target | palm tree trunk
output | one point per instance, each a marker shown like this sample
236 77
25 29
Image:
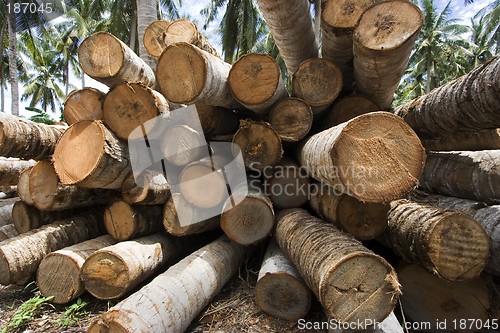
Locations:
147 13
317 20
13 62
133 28
2 92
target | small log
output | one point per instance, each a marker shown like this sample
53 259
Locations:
8 191
183 30
10 170
448 243
23 187
259 143
108 60
351 282
101 160
347 108
290 23
151 188
468 103
59 272
154 38
207 269
382 42
6 213
217 120
83 104
482 140
21 255
280 290
188 75
7 231
124 221
182 144
353 157
129 105
463 174
255 81
318 82
291 118
26 139
338 20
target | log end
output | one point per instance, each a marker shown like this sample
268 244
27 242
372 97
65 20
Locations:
291 118
154 37
344 14
43 185
83 104
119 221
5 274
95 52
119 321
347 108
181 30
198 176
25 217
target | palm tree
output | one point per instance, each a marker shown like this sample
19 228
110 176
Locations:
3 30
13 57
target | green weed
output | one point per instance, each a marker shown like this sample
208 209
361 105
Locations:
25 313
73 313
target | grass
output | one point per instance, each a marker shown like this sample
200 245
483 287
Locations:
73 313
25 313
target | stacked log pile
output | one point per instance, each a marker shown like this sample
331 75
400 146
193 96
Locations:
327 168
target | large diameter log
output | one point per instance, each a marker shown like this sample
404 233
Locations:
338 20
207 269
255 81
183 30
482 140
464 174
430 299
318 82
291 25
11 169
188 75
89 155
23 187
21 255
217 120
351 282
108 60
280 290
26 139
83 104
150 188
468 103
291 118
7 231
347 108
448 243
361 159
58 275
130 105
382 42
154 38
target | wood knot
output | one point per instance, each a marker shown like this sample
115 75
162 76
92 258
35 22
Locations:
385 23
348 8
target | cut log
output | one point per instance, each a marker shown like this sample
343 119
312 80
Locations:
83 104
347 108
89 155
123 221
259 143
154 38
291 118
382 42
354 157
49 194
467 206
6 213
489 218
217 120
482 140
290 23
362 220
10 169
338 20
151 188
26 139
183 30
130 105
7 231
188 75
59 272
108 60
207 269
351 282
468 103
26 217
318 82
464 174
448 243
178 209
182 144
23 187
430 299
255 81
280 290
21 255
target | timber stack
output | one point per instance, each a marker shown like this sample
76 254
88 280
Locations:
333 177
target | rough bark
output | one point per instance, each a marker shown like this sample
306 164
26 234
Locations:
21 255
83 104
154 38
280 290
375 157
151 188
10 169
26 139
147 12
382 42
351 282
102 160
291 25
183 30
7 231
467 103
13 57
108 60
448 243
255 81
188 75
207 269
291 118
23 187
6 208
347 108
59 272
216 120
482 140
464 174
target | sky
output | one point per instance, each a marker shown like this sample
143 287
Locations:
192 8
